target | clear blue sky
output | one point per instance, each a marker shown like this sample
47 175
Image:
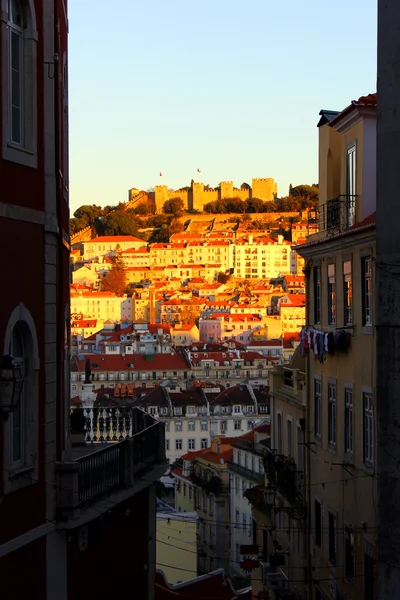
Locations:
231 87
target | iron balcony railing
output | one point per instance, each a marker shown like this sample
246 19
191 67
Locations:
247 473
121 444
337 215
281 472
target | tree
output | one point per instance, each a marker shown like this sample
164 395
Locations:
254 205
120 223
115 280
189 314
222 277
245 186
175 206
176 226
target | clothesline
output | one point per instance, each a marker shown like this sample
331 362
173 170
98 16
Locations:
322 343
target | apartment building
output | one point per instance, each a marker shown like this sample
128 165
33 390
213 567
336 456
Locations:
339 342
245 471
101 305
193 417
222 327
262 257
109 244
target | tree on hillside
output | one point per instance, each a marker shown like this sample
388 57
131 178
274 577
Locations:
189 314
115 280
255 205
175 206
120 223
245 186
176 226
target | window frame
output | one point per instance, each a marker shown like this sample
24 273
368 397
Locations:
318 405
332 544
332 413
15 472
368 457
348 420
318 523
331 291
366 294
317 295
25 152
347 293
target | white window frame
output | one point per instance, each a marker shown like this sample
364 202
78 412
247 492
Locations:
332 413
191 426
191 444
25 152
24 472
348 420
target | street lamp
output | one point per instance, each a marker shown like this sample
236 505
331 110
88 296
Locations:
11 384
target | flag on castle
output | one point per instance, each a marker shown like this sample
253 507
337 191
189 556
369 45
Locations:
198 170
160 174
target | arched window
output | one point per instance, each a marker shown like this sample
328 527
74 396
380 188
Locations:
19 81
21 429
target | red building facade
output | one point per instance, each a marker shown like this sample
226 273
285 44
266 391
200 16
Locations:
34 226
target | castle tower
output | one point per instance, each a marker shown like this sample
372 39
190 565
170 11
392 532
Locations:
264 189
160 197
196 200
226 189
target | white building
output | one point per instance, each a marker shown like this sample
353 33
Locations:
245 471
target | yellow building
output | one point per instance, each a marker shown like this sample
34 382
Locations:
107 244
339 340
205 472
101 305
176 548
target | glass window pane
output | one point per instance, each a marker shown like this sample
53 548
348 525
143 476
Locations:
17 434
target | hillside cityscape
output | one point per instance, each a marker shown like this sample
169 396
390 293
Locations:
199 386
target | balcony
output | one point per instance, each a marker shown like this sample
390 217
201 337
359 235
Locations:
281 472
336 216
212 485
247 473
121 446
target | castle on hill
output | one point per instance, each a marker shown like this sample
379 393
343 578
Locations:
197 195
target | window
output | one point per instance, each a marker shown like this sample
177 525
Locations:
351 187
348 421
19 78
317 295
239 457
21 429
204 443
238 425
178 426
203 426
348 553
178 444
318 523
223 426
250 425
244 521
279 433
153 410
237 486
300 449
237 409
347 294
167 445
317 408
366 275
332 414
237 517
243 487
332 538
191 426
184 490
331 295
368 439
191 410
191 444
289 437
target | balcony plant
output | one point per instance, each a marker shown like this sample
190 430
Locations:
78 427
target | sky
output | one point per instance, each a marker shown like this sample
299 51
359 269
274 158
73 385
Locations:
230 87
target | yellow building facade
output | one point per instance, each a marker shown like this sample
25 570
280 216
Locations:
339 344
176 547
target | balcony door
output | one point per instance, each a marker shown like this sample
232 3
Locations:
351 186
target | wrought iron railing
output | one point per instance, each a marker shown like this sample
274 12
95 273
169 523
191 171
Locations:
211 484
121 444
247 473
281 471
337 215
101 472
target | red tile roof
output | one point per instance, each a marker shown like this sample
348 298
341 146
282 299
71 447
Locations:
369 101
117 362
115 238
84 324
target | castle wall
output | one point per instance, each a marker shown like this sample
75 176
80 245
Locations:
182 194
160 197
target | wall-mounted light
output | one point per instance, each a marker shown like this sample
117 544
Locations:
11 384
